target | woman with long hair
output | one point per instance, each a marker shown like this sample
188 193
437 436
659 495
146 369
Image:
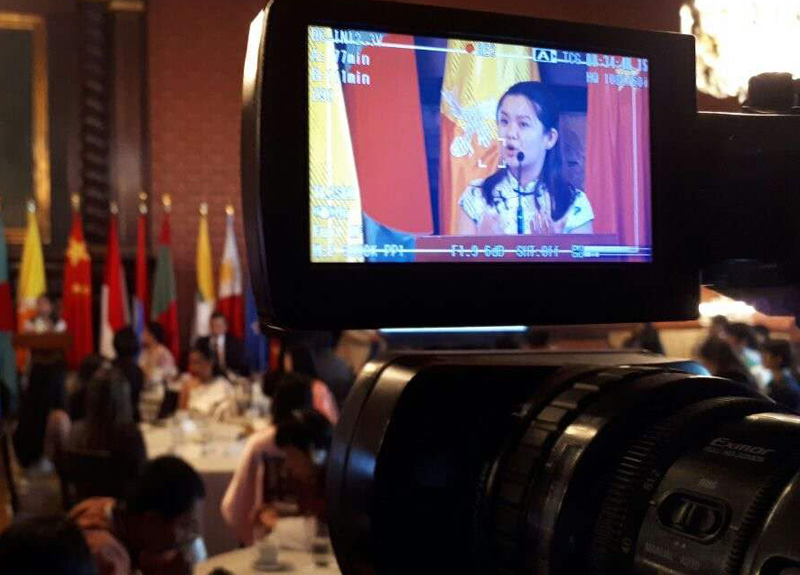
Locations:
108 425
529 194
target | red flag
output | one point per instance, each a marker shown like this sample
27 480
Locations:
77 300
165 294
114 314
394 193
618 154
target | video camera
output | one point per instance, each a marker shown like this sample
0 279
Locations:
406 165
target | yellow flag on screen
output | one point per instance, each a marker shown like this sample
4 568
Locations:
476 75
337 230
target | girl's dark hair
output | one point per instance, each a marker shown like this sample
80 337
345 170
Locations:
108 405
292 392
157 330
743 332
782 350
552 179
305 430
126 344
203 347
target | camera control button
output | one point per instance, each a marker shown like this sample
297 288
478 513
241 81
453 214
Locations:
693 516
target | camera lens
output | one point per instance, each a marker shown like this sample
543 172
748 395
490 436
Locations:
552 463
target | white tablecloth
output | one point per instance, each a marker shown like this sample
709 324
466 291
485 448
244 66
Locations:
240 562
215 461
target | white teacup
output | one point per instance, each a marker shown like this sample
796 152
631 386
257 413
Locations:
267 551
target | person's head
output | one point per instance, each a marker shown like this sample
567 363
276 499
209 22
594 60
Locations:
126 344
108 402
777 355
218 324
649 339
305 438
201 363
152 334
163 506
88 366
291 392
52 545
718 357
528 122
44 307
719 326
741 336
762 334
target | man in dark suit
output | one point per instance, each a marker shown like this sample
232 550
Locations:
227 350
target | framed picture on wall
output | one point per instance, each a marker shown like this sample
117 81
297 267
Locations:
24 118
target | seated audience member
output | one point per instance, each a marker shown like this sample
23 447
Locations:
204 390
159 368
313 353
155 530
43 421
718 357
645 338
743 339
762 335
126 344
109 426
779 360
358 346
46 545
227 350
305 439
245 497
46 320
76 388
155 358
719 327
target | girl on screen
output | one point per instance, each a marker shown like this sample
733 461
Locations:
529 194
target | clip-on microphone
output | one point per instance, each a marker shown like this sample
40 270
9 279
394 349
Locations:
520 215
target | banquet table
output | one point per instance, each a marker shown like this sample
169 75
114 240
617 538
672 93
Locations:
214 452
241 562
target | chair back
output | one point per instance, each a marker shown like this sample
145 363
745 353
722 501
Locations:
276 490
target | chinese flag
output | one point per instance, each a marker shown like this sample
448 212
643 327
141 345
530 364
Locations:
77 300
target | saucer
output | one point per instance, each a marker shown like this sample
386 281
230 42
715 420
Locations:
278 567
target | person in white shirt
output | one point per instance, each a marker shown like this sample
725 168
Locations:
203 389
529 193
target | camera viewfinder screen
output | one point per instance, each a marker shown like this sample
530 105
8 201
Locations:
444 150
